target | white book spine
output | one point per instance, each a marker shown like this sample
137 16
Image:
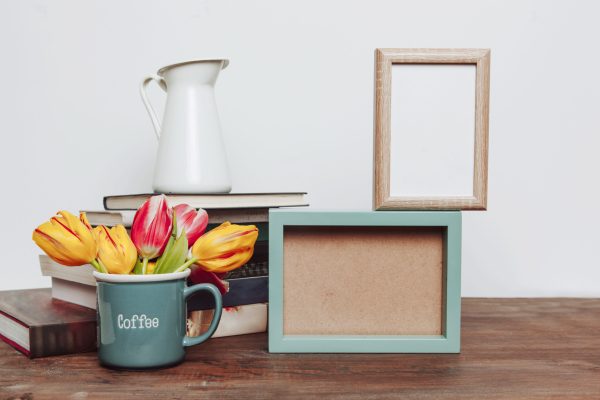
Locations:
83 275
73 292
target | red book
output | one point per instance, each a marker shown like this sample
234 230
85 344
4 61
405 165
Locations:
38 326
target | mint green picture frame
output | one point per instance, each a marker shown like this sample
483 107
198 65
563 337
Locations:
448 342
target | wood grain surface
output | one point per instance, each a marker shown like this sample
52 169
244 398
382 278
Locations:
384 59
512 349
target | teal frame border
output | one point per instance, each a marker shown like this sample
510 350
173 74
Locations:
449 342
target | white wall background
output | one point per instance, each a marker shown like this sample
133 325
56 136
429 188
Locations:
297 108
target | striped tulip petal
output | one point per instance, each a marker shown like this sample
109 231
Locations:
193 222
225 247
152 226
116 251
66 239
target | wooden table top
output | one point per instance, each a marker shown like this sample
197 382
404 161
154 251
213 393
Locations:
511 349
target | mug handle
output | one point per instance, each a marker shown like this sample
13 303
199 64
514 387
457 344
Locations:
151 112
187 292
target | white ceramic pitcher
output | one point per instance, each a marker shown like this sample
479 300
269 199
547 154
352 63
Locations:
191 154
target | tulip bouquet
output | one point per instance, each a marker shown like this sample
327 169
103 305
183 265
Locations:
163 240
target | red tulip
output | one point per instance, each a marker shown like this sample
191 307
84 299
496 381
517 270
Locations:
198 275
194 222
151 227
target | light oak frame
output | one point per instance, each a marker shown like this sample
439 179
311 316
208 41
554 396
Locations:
384 59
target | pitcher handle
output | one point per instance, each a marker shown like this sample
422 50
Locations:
151 112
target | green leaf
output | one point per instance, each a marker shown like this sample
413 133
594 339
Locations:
138 267
174 227
174 255
159 262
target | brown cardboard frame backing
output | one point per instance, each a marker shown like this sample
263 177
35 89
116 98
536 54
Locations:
363 280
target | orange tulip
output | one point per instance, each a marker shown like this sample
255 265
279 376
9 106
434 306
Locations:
116 251
67 239
225 247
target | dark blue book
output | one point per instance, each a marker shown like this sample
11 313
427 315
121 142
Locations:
242 291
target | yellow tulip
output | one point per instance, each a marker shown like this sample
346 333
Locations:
66 239
225 247
84 220
150 267
116 251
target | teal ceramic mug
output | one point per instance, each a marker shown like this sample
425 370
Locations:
142 319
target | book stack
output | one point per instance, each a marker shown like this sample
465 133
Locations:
37 325
74 288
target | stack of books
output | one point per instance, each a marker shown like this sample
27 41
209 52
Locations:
73 292
37 325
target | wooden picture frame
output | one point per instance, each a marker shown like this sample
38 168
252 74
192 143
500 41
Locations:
384 60
406 266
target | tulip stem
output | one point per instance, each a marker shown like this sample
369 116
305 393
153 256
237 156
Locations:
99 267
186 264
144 265
103 267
